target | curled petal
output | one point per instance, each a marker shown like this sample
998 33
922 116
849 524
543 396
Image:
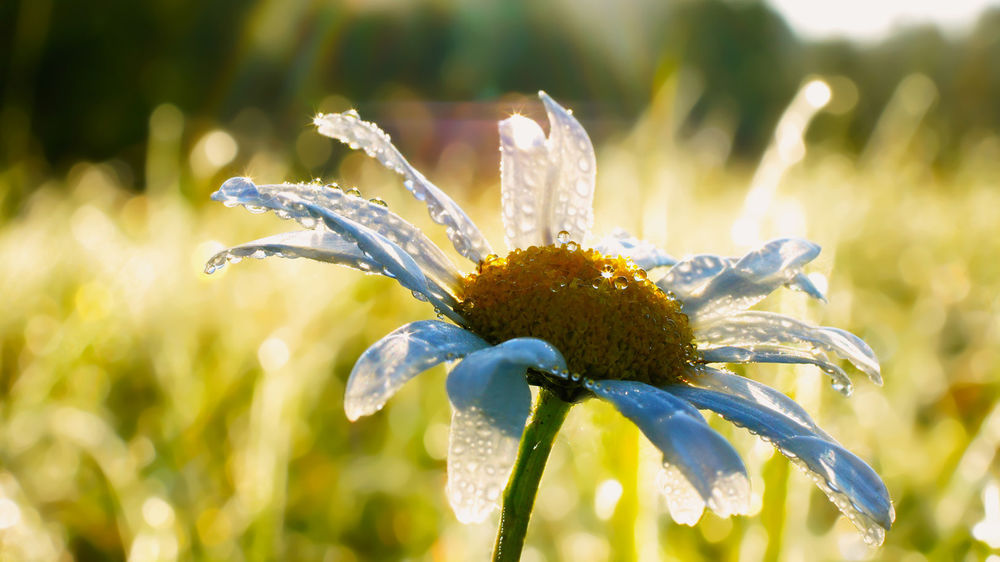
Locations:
850 483
721 286
754 328
462 232
490 402
289 202
319 245
643 254
547 184
705 459
398 357
780 354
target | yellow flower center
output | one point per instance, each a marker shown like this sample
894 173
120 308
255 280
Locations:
606 318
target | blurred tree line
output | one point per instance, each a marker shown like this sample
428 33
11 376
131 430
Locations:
80 80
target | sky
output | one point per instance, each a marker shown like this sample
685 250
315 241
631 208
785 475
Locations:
874 19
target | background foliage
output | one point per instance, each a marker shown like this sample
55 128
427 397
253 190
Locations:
148 411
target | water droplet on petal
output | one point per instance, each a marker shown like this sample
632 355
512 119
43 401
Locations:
354 192
562 237
572 246
378 201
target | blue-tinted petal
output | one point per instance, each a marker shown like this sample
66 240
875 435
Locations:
741 284
490 402
462 232
284 200
398 357
705 458
755 328
643 254
320 245
850 483
780 354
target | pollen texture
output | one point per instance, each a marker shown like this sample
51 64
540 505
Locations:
606 318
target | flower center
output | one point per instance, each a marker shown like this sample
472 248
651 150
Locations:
606 318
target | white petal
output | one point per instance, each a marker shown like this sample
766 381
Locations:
688 278
480 458
398 357
572 155
850 483
547 184
462 232
780 354
707 461
643 254
491 401
752 328
524 171
733 287
281 198
683 501
320 245
292 203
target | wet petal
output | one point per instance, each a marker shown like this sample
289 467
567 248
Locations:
643 254
524 167
490 402
462 232
433 262
690 275
780 354
398 357
547 184
683 501
850 483
734 286
753 328
320 245
716 379
575 169
707 461
309 207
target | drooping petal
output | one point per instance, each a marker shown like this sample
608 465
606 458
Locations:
320 245
289 202
547 184
398 357
725 287
850 483
683 500
704 376
753 328
706 460
490 402
643 254
780 354
433 262
462 232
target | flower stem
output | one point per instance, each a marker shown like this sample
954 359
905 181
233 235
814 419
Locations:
519 496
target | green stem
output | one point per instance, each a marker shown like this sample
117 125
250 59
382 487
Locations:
519 496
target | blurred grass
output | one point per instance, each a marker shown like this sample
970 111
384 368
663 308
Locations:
152 412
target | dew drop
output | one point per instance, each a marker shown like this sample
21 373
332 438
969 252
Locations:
259 254
621 282
596 283
418 295
562 237
354 192
334 185
639 276
378 201
572 246
607 270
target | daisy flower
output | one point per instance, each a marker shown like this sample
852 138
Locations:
619 320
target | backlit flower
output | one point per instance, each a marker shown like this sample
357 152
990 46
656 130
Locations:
580 321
